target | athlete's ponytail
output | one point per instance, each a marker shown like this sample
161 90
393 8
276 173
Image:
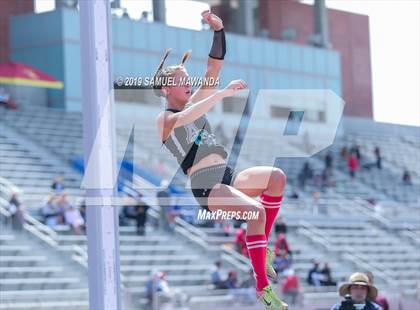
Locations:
158 74
185 57
162 73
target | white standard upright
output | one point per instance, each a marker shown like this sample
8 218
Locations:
100 163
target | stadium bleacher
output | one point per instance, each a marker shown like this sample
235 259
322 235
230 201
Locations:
350 235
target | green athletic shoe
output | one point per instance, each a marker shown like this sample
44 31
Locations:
270 300
269 259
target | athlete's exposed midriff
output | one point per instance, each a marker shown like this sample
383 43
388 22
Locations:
209 160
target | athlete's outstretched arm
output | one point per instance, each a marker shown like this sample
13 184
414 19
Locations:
167 121
216 56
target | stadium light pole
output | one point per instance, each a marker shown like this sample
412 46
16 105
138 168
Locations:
99 155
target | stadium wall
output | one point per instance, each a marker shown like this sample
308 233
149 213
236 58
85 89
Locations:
50 41
349 35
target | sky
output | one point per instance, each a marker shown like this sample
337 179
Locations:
395 47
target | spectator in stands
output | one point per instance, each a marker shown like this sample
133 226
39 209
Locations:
74 219
328 160
280 226
380 299
282 261
344 153
361 294
82 210
6 100
240 240
291 286
158 285
353 165
378 157
406 179
163 197
137 211
57 186
305 174
17 212
356 150
295 194
281 244
51 213
314 275
217 276
327 279
231 281
63 204
144 16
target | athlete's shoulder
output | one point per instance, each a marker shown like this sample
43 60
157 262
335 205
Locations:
165 122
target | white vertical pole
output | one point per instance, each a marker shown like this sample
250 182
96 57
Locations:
99 155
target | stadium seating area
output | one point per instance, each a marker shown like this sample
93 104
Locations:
32 168
35 277
46 268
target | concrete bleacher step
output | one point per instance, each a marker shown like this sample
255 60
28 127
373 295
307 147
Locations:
169 269
21 261
174 280
32 275
34 283
154 259
44 295
13 250
136 249
31 167
41 305
124 239
24 272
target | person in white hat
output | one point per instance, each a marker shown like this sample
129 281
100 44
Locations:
359 294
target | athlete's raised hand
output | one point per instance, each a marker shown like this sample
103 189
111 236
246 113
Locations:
212 19
235 86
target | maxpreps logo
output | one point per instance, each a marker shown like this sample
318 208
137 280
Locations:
204 215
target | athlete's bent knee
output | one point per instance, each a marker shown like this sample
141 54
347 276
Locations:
278 177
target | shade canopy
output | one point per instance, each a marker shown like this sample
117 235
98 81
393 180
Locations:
15 73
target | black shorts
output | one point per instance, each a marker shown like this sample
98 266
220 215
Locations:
203 180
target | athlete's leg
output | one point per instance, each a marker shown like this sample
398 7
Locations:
257 180
266 182
256 239
227 198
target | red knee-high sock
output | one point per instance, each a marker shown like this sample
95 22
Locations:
272 206
257 245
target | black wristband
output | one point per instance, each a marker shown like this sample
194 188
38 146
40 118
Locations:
218 48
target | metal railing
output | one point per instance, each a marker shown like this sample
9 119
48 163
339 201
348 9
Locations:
192 233
236 259
315 234
30 224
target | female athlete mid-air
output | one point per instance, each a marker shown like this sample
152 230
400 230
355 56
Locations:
184 130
